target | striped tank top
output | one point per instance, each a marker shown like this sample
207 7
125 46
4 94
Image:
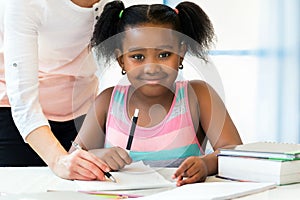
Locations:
166 144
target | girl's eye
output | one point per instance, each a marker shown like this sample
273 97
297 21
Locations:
164 55
138 57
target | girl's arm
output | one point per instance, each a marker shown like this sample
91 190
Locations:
214 117
91 136
219 129
92 131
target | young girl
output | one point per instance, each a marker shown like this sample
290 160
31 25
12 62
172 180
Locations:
175 117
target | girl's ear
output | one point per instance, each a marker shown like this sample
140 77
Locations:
182 49
119 56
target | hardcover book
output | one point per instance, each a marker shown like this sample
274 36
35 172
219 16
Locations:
254 169
270 150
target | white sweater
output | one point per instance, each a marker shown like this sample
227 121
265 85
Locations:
49 71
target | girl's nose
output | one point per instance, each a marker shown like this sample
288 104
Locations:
152 68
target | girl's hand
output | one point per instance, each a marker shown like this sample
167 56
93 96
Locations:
80 165
115 157
192 170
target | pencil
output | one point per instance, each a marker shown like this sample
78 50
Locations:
107 174
132 129
104 194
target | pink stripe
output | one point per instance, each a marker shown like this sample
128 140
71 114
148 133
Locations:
175 139
118 124
158 130
116 138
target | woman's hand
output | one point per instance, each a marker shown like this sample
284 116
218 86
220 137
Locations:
193 169
80 165
115 157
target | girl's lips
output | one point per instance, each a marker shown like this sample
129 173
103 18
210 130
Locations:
152 80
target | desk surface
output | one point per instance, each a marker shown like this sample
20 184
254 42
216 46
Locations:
16 180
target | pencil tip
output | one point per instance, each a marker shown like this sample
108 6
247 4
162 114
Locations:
113 179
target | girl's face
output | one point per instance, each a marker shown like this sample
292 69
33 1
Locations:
151 56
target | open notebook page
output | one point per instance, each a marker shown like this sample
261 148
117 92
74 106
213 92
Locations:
133 176
211 190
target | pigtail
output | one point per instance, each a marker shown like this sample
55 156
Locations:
105 28
197 25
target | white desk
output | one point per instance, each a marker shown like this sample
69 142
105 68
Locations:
16 180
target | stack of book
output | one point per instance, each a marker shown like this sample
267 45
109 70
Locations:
261 162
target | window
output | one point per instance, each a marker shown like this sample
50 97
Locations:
257 56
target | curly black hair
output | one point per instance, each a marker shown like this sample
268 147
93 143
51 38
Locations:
188 19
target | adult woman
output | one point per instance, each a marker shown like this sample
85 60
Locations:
49 82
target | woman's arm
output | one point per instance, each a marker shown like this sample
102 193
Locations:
78 165
21 25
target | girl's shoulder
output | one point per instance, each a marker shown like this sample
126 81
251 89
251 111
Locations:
203 90
199 86
105 94
103 99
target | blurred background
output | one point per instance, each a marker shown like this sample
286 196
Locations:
257 56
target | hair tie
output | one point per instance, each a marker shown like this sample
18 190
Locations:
121 13
176 11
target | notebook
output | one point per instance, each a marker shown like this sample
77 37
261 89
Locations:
65 195
270 150
133 176
211 190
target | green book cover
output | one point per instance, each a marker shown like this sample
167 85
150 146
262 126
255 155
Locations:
269 150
